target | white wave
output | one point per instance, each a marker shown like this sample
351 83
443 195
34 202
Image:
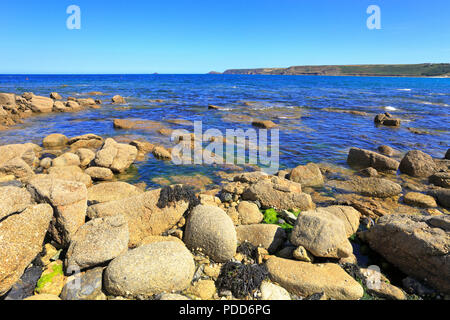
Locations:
389 108
404 89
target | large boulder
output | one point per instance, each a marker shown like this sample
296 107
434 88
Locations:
360 158
21 238
210 229
98 241
18 168
116 156
278 193
111 191
305 279
70 173
267 236
150 269
370 187
144 213
418 164
26 152
307 176
40 104
68 199
89 141
418 245
323 233
13 200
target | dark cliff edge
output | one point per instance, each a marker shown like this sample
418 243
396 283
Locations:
380 70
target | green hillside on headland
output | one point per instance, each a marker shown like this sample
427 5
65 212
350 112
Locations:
382 70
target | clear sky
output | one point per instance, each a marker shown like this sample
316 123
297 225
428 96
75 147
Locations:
197 36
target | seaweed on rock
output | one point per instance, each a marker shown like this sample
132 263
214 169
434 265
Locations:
172 194
241 279
246 248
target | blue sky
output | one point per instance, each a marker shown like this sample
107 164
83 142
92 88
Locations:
197 36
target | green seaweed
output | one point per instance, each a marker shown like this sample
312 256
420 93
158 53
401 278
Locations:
270 216
57 270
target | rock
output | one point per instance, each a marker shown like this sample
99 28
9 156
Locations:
447 155
21 238
348 215
27 152
442 196
73 106
13 200
268 236
204 289
111 191
210 229
278 193
413 286
440 179
41 104
370 187
266 124
369 172
99 173
270 291
86 102
7 99
52 280
360 158
418 164
68 199
154 239
46 163
116 156
249 213
25 286
415 245
161 153
377 285
322 233
144 216
89 141
151 269
118 99
213 107
66 159
305 279
98 241
70 173
123 124
421 200
173 296
18 168
86 156
386 150
307 176
143 146
42 297
84 286
59 106
301 254
392 122
55 96
55 140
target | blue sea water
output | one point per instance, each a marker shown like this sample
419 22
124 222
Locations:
299 104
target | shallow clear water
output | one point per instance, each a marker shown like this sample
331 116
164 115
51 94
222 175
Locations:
296 103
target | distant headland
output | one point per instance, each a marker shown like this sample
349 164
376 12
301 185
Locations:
374 70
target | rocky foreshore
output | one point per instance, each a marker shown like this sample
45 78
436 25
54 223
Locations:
70 229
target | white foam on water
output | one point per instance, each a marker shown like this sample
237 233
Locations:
404 89
389 108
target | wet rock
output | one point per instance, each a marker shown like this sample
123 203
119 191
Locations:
265 124
13 200
161 153
143 146
305 279
98 241
118 99
116 156
418 164
55 140
415 246
413 286
150 269
89 102
84 286
371 187
210 229
270 291
99 173
421 200
322 233
249 213
25 286
143 214
360 158
268 236
86 156
442 196
21 237
123 124
68 199
278 193
111 191
55 96
386 150
440 179
307 176
369 172
213 107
